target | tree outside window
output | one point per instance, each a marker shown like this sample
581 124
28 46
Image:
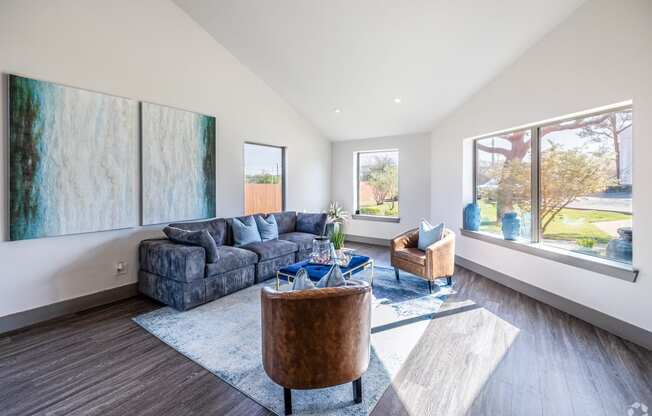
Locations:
378 183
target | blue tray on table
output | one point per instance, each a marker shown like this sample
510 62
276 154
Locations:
317 271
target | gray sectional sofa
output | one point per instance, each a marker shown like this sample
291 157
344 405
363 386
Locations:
179 275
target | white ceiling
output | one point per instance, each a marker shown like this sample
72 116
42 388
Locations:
359 55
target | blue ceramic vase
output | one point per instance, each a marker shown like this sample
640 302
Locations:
472 217
621 248
511 226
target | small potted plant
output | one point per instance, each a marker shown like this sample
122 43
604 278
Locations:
337 240
337 216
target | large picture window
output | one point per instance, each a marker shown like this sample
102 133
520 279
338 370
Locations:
264 176
377 184
581 169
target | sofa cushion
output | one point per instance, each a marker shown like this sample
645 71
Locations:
411 254
199 238
311 223
267 227
231 258
287 221
303 240
215 227
245 231
271 249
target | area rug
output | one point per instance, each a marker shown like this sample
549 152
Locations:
223 336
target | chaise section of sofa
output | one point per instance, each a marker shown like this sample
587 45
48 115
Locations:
179 275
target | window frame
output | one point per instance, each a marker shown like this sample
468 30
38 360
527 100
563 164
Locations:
368 217
283 171
535 244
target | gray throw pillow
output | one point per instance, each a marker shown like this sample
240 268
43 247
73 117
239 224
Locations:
333 278
302 281
245 231
201 238
267 227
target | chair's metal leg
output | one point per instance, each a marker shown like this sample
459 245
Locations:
357 390
373 269
287 398
396 272
430 286
278 283
449 280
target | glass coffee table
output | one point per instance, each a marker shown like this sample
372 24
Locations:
317 271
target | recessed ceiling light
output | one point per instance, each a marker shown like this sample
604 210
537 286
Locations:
338 110
397 100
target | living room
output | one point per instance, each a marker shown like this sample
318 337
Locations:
184 181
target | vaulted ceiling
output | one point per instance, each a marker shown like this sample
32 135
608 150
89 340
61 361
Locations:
365 68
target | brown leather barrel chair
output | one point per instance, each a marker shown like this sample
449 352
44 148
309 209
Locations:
316 338
438 261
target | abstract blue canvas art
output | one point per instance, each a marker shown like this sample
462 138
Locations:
178 164
73 157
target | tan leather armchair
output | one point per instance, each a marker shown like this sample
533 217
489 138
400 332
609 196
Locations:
316 338
438 261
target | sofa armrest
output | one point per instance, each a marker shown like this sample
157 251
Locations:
180 262
408 239
440 256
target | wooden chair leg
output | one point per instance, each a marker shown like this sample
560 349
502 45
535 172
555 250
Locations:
357 390
287 398
396 272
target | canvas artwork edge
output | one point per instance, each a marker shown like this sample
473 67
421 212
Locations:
208 165
31 213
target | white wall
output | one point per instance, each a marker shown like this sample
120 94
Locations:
414 181
601 55
147 50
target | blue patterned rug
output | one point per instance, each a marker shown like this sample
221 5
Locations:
223 336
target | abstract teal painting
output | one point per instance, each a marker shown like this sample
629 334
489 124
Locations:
73 160
178 164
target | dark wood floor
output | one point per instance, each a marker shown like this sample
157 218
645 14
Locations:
491 351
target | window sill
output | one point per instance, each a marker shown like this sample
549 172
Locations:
594 264
375 218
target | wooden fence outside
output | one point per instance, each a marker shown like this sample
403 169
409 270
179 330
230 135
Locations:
263 198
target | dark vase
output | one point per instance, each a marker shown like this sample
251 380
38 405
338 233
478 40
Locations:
621 249
511 226
472 217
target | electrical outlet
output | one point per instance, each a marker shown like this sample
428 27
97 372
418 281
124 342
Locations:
121 268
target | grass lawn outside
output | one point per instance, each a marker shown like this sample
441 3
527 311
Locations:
569 225
384 210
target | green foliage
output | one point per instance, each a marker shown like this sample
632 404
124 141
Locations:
387 209
337 238
567 175
585 242
382 176
265 178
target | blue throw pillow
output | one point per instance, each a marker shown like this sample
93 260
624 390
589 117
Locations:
245 231
302 281
200 238
333 278
429 234
267 227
